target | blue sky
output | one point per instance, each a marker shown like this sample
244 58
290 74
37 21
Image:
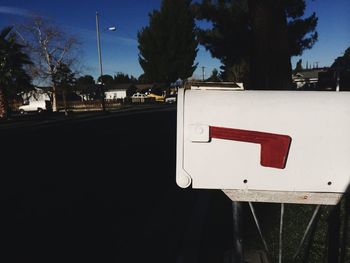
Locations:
119 48
333 31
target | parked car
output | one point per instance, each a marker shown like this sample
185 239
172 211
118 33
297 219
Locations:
138 98
170 99
157 98
36 106
138 95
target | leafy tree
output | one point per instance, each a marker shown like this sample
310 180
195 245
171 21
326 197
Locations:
131 90
340 70
13 76
64 80
168 46
142 79
238 72
342 63
107 80
262 33
122 78
86 85
215 76
84 82
298 66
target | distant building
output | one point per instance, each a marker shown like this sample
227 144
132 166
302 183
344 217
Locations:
37 94
322 79
308 78
115 94
120 91
144 88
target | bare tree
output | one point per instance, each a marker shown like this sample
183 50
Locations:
50 47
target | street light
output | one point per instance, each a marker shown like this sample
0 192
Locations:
112 28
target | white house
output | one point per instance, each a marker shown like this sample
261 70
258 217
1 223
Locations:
37 94
307 79
115 94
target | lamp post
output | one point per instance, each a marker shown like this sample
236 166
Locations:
112 28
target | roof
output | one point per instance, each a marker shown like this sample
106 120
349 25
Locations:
141 87
116 90
308 74
122 86
43 88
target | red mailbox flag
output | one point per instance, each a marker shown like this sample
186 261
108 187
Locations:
274 147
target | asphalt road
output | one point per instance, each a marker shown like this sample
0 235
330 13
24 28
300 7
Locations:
101 188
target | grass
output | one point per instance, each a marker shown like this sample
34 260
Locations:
296 219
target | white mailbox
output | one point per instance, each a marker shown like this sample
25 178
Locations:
265 146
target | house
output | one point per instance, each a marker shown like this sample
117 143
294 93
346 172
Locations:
308 79
115 94
118 91
37 94
144 88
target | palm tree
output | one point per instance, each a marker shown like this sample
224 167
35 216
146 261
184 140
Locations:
12 72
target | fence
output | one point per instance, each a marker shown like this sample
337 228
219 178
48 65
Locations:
15 105
89 105
93 105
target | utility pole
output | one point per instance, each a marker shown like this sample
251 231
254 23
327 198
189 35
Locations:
100 62
203 73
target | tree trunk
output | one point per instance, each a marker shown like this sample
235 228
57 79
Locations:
54 98
4 109
270 67
64 102
103 101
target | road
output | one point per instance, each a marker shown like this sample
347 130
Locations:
101 188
